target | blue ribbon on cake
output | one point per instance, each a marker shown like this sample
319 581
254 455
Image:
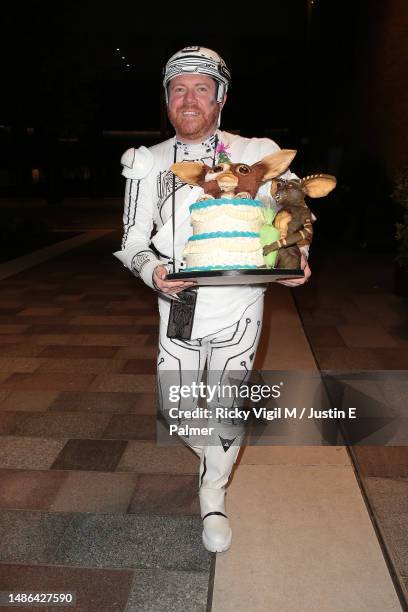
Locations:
223 201
233 234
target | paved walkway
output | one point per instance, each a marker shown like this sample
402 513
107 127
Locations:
90 503
303 536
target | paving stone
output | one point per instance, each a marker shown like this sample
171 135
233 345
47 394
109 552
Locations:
146 328
45 382
45 320
28 453
130 307
137 383
78 352
153 340
4 376
389 499
85 366
324 335
99 297
129 403
338 358
12 338
113 319
315 316
45 296
40 312
98 303
134 339
62 425
28 400
149 458
29 489
13 329
392 359
100 455
382 461
8 319
94 492
381 307
69 297
5 310
81 309
97 590
372 335
40 286
134 352
56 339
3 395
7 301
19 364
181 590
131 427
31 536
84 329
93 288
165 494
140 366
133 541
20 350
8 421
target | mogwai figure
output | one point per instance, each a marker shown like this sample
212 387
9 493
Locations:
228 180
294 219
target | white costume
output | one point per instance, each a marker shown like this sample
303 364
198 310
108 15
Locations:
228 319
148 201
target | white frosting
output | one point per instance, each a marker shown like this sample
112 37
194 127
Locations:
225 251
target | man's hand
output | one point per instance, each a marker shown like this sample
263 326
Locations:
168 286
294 282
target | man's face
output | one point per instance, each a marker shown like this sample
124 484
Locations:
192 109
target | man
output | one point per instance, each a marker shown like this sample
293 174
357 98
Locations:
226 325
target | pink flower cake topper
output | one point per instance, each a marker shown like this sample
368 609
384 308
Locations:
223 153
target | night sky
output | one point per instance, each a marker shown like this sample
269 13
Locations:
62 68
327 77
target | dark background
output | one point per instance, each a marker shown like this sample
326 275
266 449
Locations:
325 77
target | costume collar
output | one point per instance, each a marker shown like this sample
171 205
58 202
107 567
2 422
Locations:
195 150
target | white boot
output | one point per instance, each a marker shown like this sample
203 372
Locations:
215 469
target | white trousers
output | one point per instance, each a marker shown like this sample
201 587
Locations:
229 356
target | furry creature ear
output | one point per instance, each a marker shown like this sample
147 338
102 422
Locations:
318 185
192 173
274 186
276 163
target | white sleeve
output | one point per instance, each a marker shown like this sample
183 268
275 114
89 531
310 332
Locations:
135 253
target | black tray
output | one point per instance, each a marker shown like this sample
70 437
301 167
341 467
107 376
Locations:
236 277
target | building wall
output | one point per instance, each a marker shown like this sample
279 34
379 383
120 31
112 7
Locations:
381 121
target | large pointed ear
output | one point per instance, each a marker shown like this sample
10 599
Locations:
276 163
274 186
192 173
318 185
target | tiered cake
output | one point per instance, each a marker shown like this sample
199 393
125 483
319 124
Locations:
225 235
